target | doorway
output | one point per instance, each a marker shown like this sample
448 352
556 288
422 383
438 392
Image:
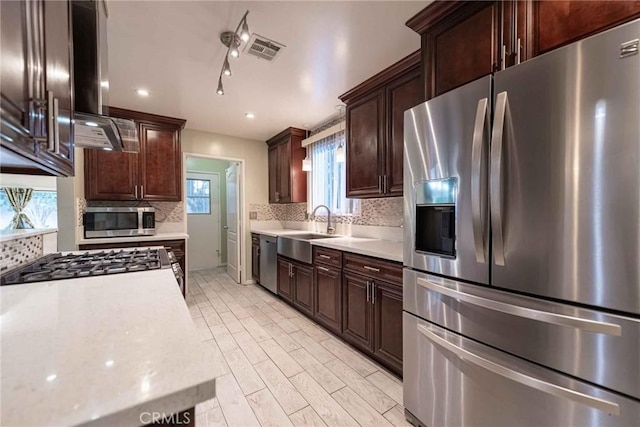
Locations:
204 224
212 224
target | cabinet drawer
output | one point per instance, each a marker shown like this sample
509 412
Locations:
327 256
374 268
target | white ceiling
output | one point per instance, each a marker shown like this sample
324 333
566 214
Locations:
172 49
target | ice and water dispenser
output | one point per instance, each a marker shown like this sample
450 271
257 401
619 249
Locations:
435 231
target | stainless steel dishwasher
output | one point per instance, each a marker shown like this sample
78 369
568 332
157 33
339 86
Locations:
269 262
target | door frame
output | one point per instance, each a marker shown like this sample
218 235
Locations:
243 215
219 206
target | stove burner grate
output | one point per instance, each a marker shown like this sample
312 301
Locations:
58 266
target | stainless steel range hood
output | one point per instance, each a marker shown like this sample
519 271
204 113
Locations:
93 128
107 133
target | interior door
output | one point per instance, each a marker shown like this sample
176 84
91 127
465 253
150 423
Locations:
234 225
565 201
203 220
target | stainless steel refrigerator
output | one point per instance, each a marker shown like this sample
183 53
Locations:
522 243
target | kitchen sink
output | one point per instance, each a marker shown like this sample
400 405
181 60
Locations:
298 246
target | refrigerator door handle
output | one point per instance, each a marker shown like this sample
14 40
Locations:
527 380
528 313
495 182
477 181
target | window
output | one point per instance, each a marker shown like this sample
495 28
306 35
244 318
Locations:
198 196
328 177
42 210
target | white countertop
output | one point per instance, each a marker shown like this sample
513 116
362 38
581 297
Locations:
99 351
18 234
155 237
385 249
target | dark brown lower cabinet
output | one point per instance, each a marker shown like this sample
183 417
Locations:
285 288
302 278
387 324
328 297
361 305
356 318
255 257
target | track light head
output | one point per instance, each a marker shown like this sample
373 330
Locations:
220 90
244 34
226 69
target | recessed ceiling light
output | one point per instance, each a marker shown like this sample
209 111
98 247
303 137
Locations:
142 92
249 115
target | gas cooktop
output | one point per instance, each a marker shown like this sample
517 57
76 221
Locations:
59 266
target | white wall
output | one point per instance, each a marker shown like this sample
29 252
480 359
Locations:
37 182
256 185
69 190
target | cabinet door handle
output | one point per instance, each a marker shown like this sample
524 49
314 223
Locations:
380 184
324 256
503 57
518 48
385 184
368 287
51 138
375 270
373 292
142 191
135 188
322 268
56 127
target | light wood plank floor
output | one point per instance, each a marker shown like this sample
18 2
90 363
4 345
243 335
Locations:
277 367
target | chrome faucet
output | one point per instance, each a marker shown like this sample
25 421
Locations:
330 229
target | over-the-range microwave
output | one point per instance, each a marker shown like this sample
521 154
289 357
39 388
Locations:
119 222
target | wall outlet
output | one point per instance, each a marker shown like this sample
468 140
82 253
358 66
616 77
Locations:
306 216
253 215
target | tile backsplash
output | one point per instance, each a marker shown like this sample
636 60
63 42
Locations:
386 212
20 251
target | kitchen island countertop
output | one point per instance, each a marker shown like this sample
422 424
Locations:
100 351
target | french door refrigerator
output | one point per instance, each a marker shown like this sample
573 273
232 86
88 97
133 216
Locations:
522 243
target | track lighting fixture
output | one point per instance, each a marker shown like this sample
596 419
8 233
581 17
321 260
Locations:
232 41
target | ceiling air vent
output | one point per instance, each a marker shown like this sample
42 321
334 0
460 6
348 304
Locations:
263 48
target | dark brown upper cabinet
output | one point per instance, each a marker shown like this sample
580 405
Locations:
461 41
36 102
375 128
287 181
557 23
154 174
465 40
